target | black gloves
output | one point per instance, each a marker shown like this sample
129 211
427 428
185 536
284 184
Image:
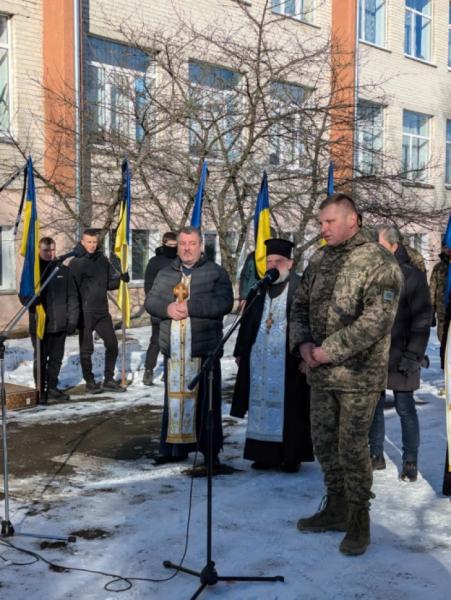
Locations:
71 329
125 277
408 366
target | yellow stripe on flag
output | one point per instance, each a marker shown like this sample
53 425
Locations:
263 234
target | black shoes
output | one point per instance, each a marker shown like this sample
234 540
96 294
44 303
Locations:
93 388
378 462
164 459
409 471
110 385
56 394
148 377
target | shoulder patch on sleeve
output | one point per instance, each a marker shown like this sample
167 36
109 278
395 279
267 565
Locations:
388 295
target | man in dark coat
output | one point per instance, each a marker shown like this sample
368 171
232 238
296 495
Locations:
190 297
164 255
94 276
60 302
409 337
276 396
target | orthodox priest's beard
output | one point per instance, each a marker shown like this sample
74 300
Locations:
283 276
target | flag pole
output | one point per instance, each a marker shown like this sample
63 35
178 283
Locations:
124 316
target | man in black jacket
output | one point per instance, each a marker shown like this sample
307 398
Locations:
190 297
164 255
409 337
60 301
94 276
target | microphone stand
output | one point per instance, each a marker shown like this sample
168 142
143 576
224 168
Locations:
7 529
209 574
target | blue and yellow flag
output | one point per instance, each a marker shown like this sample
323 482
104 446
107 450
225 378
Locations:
196 217
122 241
447 242
30 281
330 179
262 229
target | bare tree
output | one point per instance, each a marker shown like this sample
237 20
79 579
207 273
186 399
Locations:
247 94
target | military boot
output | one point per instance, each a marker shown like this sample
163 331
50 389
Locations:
331 516
357 538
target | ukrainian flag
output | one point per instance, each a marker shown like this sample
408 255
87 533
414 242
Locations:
30 281
447 242
330 179
122 241
196 217
262 230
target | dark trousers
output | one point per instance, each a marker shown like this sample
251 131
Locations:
102 324
52 352
181 450
410 428
153 349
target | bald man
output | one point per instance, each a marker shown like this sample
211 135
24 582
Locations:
341 318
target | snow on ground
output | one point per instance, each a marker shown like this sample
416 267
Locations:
144 511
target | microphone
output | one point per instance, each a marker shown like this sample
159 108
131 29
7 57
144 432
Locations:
270 276
77 252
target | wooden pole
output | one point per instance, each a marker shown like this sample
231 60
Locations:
124 314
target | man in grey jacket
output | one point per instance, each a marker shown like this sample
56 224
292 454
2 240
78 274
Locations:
190 297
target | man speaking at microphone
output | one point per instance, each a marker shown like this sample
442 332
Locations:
269 385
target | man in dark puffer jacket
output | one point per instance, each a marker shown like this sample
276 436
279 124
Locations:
164 255
60 302
409 338
210 298
94 276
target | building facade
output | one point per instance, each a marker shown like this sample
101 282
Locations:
75 76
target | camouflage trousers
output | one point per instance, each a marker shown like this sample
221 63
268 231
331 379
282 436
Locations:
340 423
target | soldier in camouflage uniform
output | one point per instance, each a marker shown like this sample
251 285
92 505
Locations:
437 287
341 319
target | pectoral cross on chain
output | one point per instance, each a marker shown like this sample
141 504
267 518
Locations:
269 321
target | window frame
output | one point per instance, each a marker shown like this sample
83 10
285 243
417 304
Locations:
412 12
8 47
207 96
362 23
133 130
306 14
412 174
364 149
7 258
295 147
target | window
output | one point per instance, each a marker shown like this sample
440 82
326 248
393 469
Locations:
415 145
418 27
449 36
119 82
370 129
210 245
448 152
214 128
299 9
7 263
372 21
5 86
286 147
139 253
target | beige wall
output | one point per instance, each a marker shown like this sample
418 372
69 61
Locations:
410 84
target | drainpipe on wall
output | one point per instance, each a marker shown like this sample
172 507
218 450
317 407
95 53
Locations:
78 102
356 96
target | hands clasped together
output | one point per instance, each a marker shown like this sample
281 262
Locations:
312 356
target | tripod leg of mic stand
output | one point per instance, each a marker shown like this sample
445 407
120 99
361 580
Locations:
199 591
7 530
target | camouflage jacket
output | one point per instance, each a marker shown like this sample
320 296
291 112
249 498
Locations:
416 258
346 303
437 288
